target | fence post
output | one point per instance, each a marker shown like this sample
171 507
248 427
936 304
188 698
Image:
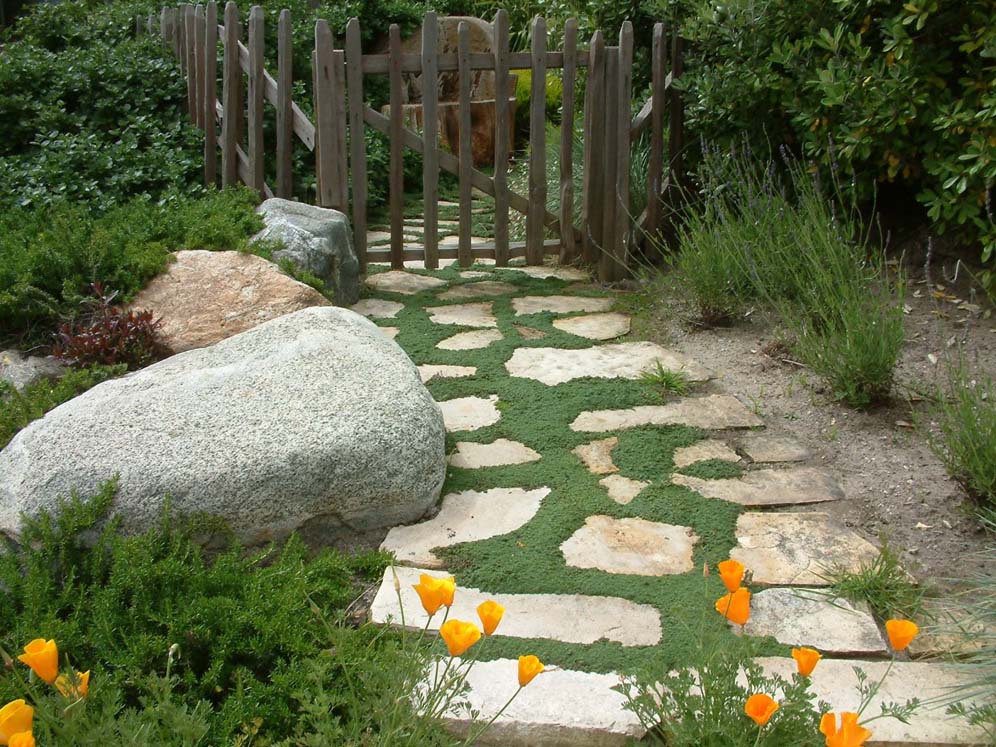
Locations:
210 93
396 189
536 215
624 220
655 172
594 114
231 93
567 250
676 134
430 135
340 163
189 42
324 145
502 127
255 151
358 154
464 251
199 35
610 159
285 111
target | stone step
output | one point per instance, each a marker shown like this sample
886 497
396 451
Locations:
377 308
634 547
606 326
558 304
473 340
704 451
767 487
469 413
405 283
713 412
490 288
597 455
429 372
464 315
555 272
623 489
625 360
499 453
764 447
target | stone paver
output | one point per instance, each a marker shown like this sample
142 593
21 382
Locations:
623 489
834 681
560 707
714 411
377 308
762 447
469 413
597 455
405 283
595 326
704 451
528 333
797 548
768 487
947 628
474 340
464 517
419 264
464 315
501 452
429 372
558 304
572 618
391 332
625 360
634 547
809 617
558 273
489 288
474 274
378 237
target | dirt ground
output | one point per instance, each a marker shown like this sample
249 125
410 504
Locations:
898 490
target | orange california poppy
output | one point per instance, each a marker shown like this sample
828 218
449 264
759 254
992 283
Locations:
529 667
22 739
43 658
760 708
806 659
435 592
735 607
459 635
15 718
490 613
77 687
731 573
850 734
901 633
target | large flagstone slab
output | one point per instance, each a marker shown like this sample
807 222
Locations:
469 413
714 412
763 447
377 308
405 283
558 304
625 360
545 273
814 618
798 548
634 547
429 372
464 315
571 618
499 453
767 487
489 288
464 517
595 326
473 340
704 451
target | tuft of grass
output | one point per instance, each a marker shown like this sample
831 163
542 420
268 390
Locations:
667 382
884 584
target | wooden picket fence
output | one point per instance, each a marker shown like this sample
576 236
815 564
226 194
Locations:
604 234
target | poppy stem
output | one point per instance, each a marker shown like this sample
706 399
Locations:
472 737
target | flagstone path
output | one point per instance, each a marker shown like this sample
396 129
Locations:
586 505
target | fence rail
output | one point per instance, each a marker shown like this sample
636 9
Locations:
604 233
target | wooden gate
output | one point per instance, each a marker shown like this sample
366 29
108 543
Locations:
603 234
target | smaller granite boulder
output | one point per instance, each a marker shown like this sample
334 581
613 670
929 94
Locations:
21 371
317 240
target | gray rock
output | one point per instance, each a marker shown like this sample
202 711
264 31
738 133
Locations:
21 371
313 421
315 239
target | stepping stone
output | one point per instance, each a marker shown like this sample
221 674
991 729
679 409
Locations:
625 360
490 288
464 315
469 413
834 681
808 617
499 453
464 517
560 273
391 332
622 489
429 372
633 547
405 283
377 308
416 264
948 629
474 274
597 455
560 707
454 240
378 237
447 203
713 412
704 451
767 487
571 618
766 448
474 340
798 548
595 326
528 333
558 304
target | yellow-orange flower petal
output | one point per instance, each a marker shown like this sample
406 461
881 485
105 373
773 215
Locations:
850 734
77 687
901 633
760 707
529 667
806 659
490 613
43 658
22 739
459 636
15 718
435 592
731 573
735 607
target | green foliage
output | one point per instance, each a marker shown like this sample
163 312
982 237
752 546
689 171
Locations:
884 584
17 409
666 382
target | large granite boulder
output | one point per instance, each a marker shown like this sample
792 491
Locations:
204 297
314 421
315 239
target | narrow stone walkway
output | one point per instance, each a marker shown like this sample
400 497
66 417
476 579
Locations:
586 503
